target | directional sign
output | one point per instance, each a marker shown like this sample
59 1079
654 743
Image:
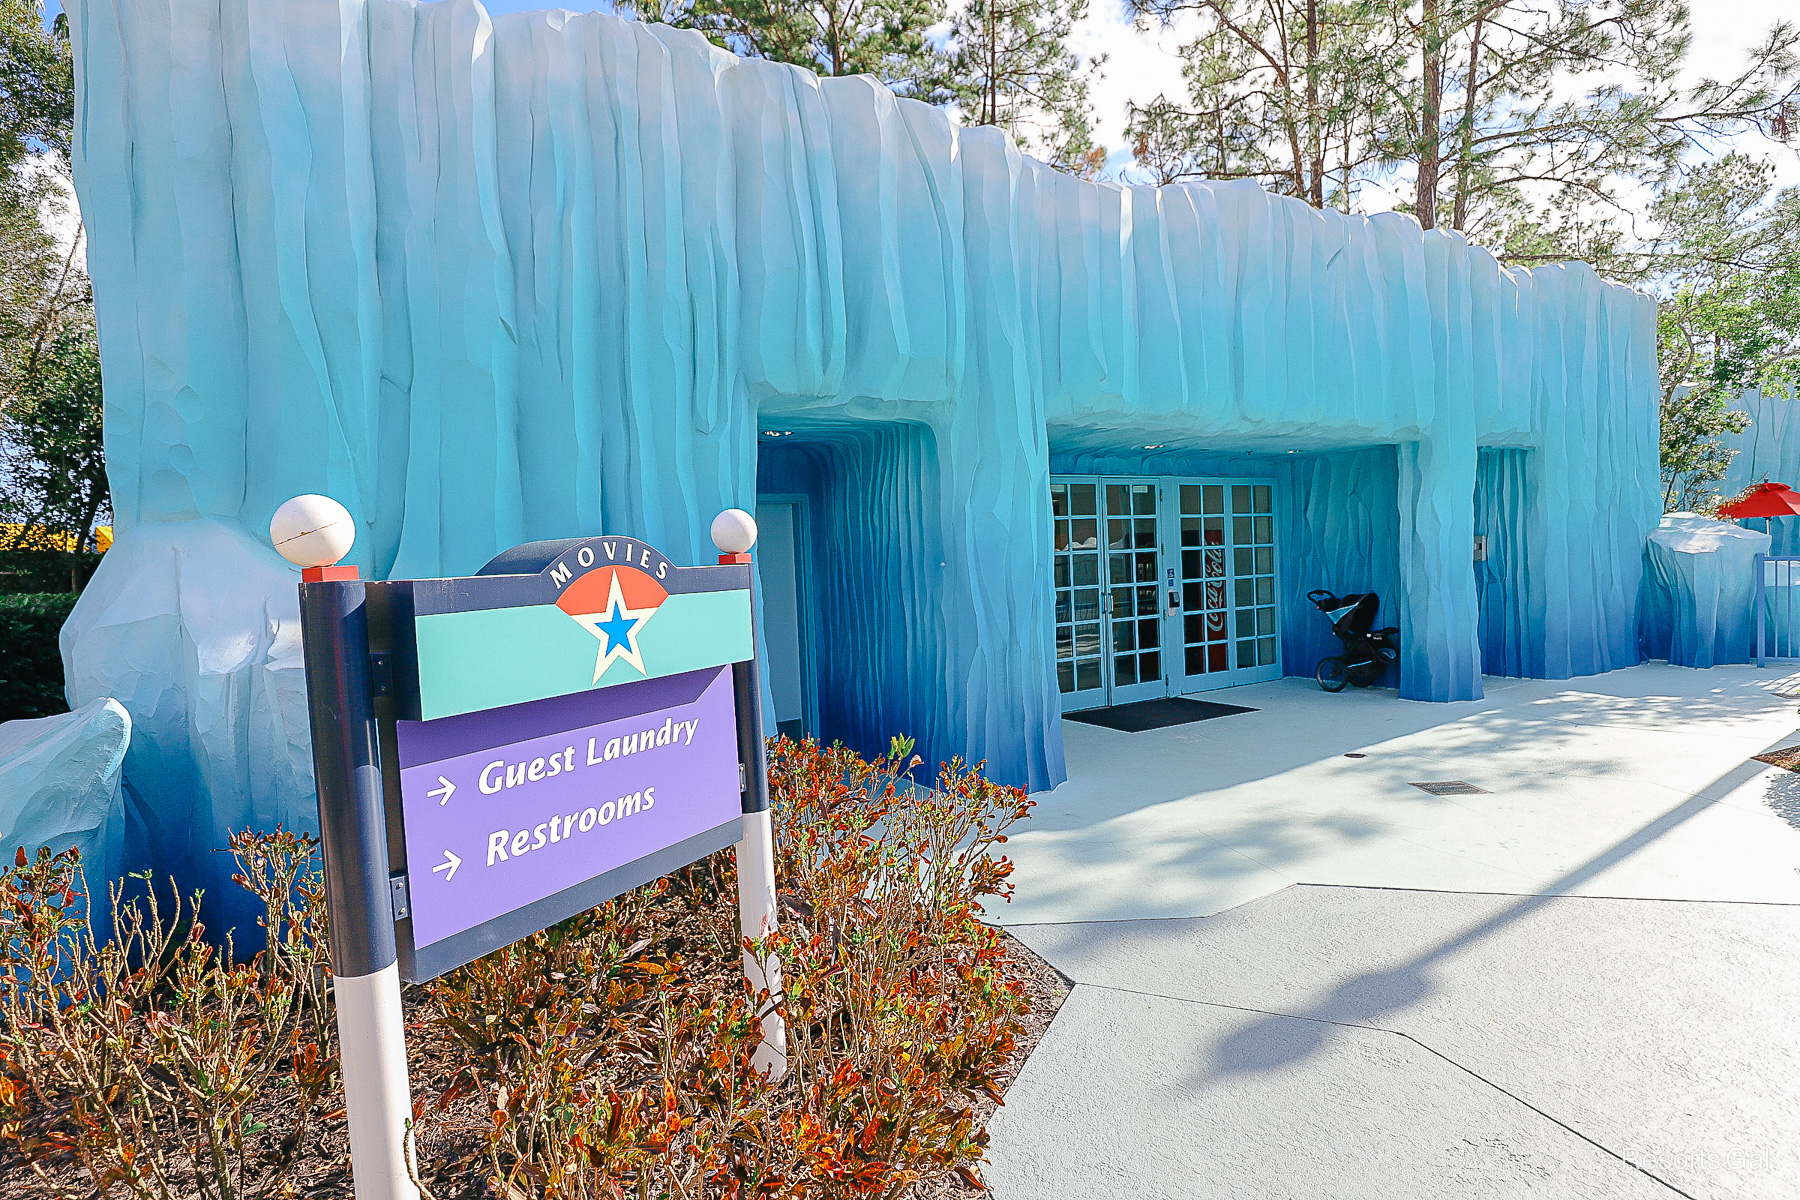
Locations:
571 722
528 814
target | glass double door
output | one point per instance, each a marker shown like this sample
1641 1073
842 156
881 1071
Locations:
1163 585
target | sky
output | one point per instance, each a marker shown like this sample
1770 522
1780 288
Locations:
1142 63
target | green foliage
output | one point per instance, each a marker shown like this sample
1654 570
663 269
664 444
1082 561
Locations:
1291 93
883 38
31 669
1692 457
1729 256
1520 123
37 84
45 570
54 456
1007 63
997 62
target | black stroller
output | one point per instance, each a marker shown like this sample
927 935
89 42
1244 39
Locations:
1368 653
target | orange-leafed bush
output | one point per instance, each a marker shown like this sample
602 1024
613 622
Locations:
608 1056
613 1052
154 1059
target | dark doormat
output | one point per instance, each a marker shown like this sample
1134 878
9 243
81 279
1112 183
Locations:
1155 714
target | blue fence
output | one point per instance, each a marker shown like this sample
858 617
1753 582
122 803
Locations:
1777 608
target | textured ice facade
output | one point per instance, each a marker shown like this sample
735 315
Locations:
59 787
1768 451
488 281
1698 593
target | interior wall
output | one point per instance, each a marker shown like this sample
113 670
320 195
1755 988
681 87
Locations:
1340 530
1502 582
877 569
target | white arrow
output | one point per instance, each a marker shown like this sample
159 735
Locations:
445 792
450 863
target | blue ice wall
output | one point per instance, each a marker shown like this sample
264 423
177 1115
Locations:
1503 575
1341 532
1768 451
489 280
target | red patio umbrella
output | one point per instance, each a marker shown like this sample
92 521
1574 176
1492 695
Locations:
1764 500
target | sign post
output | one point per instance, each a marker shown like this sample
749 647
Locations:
365 976
499 752
734 532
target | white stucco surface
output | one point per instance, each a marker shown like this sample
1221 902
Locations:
1296 975
1636 783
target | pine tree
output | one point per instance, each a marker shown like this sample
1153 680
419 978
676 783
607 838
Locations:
1511 120
1008 63
1286 91
883 38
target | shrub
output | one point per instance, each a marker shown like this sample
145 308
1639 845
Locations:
160 1064
613 1053
31 670
45 570
608 1056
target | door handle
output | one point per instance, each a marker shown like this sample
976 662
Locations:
1174 600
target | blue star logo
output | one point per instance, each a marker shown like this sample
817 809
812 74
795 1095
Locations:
618 627
618 630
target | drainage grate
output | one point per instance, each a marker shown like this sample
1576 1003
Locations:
1452 787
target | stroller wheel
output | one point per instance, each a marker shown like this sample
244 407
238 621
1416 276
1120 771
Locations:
1331 674
1362 679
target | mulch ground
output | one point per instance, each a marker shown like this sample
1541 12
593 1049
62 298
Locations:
450 1140
1789 758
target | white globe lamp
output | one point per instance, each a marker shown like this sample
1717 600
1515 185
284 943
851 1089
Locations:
734 531
312 531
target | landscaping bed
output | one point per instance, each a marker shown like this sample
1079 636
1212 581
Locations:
606 1057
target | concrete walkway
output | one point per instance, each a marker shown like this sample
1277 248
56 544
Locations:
1583 982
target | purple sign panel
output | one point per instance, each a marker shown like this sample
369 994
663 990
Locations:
547 804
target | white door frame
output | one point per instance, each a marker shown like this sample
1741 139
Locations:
1172 589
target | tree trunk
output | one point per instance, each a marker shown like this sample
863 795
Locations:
1315 135
1460 213
1430 114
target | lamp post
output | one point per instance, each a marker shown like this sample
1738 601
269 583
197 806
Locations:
314 533
734 533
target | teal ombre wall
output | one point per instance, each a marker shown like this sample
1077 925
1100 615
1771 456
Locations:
546 274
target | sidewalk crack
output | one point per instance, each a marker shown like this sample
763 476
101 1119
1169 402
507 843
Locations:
1435 1053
